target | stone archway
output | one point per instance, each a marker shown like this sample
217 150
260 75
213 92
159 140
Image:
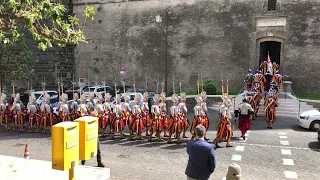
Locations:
275 46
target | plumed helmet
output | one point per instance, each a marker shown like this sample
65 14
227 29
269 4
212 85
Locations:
138 97
249 70
3 97
204 95
183 96
64 97
108 96
32 98
76 96
257 71
274 63
118 98
277 72
47 98
163 95
156 98
99 98
17 96
145 96
234 172
174 98
126 97
82 99
198 99
91 96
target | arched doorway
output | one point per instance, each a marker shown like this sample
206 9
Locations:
273 48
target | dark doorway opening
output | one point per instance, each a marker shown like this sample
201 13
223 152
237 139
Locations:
274 50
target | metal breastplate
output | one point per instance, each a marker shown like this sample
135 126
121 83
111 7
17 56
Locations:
32 108
99 108
17 107
136 109
107 106
156 110
83 109
46 108
117 109
64 108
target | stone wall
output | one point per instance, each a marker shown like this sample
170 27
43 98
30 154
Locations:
217 36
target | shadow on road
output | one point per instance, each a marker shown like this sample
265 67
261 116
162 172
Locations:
315 146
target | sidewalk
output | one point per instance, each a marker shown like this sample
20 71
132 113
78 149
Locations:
13 168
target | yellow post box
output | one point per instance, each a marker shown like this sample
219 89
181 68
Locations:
88 136
65 145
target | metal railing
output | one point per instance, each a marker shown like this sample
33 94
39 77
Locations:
234 98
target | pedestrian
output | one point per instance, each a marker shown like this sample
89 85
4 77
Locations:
244 111
202 162
100 164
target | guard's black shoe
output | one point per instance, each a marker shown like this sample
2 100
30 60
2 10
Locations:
82 162
229 145
243 137
100 164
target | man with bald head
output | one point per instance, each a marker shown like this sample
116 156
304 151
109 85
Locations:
201 163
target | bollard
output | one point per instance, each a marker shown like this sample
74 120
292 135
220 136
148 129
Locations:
234 172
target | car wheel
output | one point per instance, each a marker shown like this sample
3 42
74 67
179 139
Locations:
315 125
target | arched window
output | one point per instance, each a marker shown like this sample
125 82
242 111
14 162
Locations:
272 5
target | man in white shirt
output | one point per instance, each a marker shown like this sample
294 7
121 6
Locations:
244 111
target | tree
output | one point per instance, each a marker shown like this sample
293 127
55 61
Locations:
15 61
47 22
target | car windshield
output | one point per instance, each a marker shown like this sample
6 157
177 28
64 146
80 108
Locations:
37 95
91 89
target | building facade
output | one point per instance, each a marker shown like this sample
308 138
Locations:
222 38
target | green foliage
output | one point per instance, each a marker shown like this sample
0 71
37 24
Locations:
210 86
45 20
309 96
15 61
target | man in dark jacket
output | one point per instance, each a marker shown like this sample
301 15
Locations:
201 163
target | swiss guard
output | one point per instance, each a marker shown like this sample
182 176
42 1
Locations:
3 108
74 106
163 113
183 113
145 113
278 79
175 123
126 109
136 124
90 103
32 111
157 124
205 111
16 109
198 116
99 111
249 80
224 128
64 108
107 116
45 113
244 112
270 107
82 109
118 122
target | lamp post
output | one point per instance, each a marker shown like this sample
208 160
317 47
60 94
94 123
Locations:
164 27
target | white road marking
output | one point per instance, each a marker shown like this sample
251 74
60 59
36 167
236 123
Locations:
239 148
285 143
272 146
281 133
286 151
246 134
248 131
288 162
291 175
283 137
224 178
236 157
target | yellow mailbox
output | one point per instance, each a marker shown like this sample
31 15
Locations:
88 136
65 145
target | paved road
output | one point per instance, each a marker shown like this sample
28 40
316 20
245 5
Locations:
261 156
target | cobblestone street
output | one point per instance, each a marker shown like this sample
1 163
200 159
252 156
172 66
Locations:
260 156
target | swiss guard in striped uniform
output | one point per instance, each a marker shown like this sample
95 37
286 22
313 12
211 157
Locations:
244 112
163 113
157 124
118 123
108 115
270 106
198 116
205 111
278 79
135 123
3 107
175 123
183 113
145 113
263 67
32 111
224 126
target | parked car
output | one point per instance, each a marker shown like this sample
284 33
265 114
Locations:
310 119
98 90
39 95
319 134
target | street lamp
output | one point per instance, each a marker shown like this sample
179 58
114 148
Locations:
165 30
